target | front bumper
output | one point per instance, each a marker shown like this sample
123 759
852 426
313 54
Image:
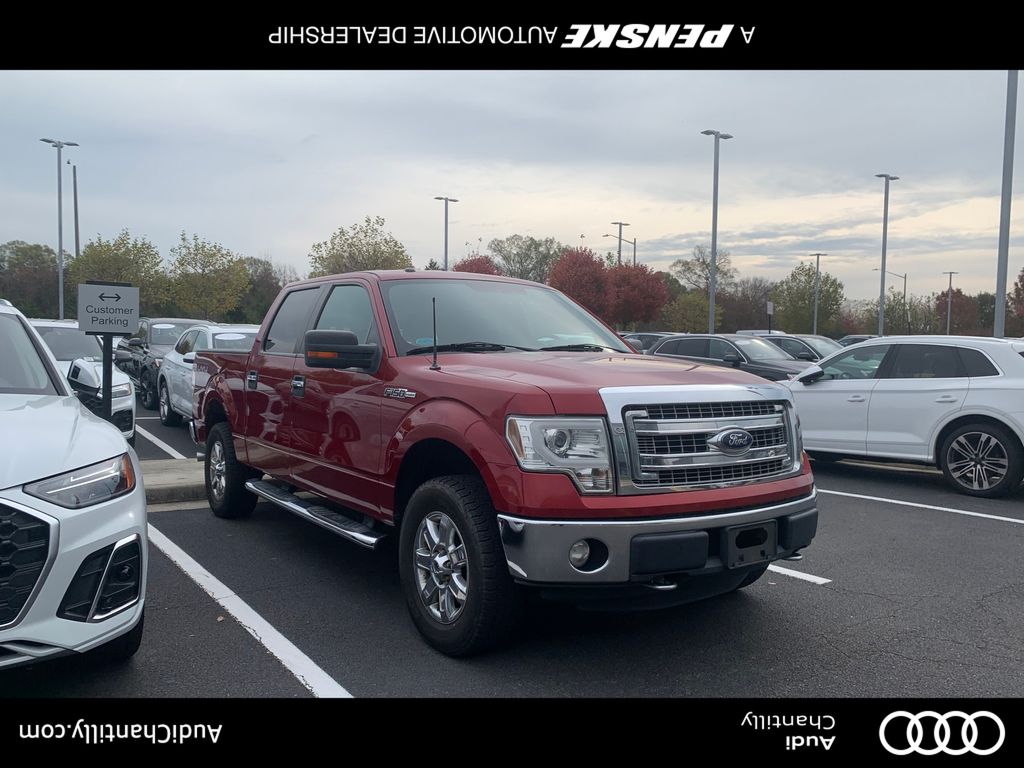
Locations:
38 633
639 551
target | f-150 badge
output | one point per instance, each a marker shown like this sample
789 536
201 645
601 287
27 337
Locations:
399 392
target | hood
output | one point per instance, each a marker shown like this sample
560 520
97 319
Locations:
572 379
62 436
789 366
159 350
117 376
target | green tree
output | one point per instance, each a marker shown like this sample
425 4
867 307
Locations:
265 282
695 272
28 278
359 247
526 257
207 280
794 301
125 259
434 265
688 313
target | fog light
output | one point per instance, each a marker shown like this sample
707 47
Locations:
579 553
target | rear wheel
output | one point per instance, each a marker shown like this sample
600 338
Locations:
148 388
167 416
226 476
982 459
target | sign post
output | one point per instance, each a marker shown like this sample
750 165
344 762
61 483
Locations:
107 310
771 311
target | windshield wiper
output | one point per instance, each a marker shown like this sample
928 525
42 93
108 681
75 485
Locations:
468 346
580 348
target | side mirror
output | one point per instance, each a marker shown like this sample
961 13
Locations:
805 355
83 378
135 342
810 375
189 358
339 349
732 360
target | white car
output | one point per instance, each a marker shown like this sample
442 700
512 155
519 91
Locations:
73 556
69 344
954 401
175 382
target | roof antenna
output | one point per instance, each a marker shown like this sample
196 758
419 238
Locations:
433 309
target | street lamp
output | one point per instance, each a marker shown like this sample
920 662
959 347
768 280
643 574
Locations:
60 225
74 179
714 230
885 234
906 309
817 284
446 201
949 300
621 225
626 240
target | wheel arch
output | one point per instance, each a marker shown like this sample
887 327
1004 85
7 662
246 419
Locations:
426 459
962 419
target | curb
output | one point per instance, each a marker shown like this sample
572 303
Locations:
162 494
173 480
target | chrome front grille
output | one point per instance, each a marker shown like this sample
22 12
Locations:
671 445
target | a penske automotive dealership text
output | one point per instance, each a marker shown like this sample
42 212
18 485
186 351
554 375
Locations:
107 733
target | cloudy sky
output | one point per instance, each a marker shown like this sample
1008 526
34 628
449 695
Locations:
268 163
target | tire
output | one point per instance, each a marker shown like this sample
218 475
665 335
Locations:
167 415
753 576
492 603
226 476
148 391
121 649
982 459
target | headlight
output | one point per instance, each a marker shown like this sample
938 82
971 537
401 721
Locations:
86 486
576 447
121 390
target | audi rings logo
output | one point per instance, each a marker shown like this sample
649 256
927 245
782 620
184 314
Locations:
942 733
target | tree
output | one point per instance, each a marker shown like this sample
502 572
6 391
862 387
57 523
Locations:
794 301
581 274
674 288
745 305
265 281
125 259
207 280
635 294
434 265
688 313
526 257
965 312
28 277
482 265
695 272
360 247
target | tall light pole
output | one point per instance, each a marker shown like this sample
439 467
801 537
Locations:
446 201
885 236
949 300
906 311
714 231
625 240
999 328
621 225
74 180
60 224
817 286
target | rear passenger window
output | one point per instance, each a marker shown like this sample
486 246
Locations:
976 364
692 347
348 309
926 361
290 322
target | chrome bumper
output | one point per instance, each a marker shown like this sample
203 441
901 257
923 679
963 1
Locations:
537 551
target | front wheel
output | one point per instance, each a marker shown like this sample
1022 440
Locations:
452 566
226 476
982 459
167 415
148 391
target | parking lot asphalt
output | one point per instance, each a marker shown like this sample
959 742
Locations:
155 441
923 598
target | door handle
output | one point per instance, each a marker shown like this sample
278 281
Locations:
946 399
855 399
251 378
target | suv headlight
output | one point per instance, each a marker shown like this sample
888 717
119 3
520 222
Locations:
576 447
86 486
121 390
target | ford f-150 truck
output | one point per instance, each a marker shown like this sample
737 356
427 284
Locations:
510 440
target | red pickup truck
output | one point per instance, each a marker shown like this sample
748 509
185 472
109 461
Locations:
509 439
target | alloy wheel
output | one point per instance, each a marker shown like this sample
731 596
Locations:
977 460
218 471
442 567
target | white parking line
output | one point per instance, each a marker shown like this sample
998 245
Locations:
798 575
306 671
159 443
966 512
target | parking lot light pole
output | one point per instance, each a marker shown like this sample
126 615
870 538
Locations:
999 325
817 287
949 301
74 186
621 225
719 136
906 311
885 235
626 240
59 145
446 201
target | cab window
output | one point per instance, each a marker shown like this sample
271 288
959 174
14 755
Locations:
348 308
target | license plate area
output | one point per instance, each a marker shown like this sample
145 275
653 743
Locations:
744 545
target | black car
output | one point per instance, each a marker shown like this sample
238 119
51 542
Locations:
748 353
856 338
644 340
140 354
804 346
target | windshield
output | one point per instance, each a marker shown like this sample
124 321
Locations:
497 312
759 349
70 343
240 342
23 371
167 334
822 345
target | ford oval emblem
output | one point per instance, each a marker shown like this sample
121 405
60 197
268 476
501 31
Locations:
734 441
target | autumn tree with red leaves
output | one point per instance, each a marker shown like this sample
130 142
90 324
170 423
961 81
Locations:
636 294
478 263
581 274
